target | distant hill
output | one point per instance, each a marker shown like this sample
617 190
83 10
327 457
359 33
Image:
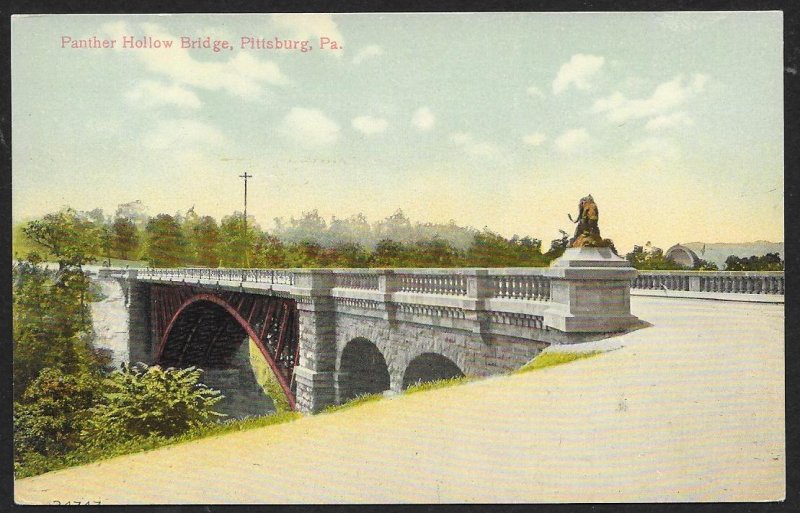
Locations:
717 252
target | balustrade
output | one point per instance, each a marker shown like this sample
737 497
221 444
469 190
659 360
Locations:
728 282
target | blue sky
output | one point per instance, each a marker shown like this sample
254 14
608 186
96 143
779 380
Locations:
672 121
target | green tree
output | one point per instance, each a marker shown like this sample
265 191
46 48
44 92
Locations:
435 252
558 246
768 262
389 253
648 257
69 238
236 246
166 246
125 238
305 254
204 241
52 324
347 254
51 413
269 252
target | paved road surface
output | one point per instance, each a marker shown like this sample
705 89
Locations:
691 409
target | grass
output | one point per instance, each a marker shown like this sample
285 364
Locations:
555 358
433 385
40 465
356 401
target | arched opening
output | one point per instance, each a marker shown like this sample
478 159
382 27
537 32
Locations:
362 370
208 333
430 367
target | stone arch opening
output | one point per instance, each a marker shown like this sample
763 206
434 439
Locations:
362 370
430 367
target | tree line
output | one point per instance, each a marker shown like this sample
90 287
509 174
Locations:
190 239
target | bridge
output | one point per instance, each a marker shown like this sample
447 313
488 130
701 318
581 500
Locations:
329 335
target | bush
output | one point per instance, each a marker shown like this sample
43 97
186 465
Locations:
51 413
141 401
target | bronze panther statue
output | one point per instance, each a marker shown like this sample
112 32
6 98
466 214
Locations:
587 232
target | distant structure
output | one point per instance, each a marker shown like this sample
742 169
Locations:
682 256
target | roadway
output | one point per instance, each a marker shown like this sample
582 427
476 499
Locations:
690 409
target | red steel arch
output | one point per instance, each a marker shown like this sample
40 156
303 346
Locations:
212 298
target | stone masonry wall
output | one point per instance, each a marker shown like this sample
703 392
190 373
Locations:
401 342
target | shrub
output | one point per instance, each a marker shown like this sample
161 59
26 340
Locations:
51 413
141 401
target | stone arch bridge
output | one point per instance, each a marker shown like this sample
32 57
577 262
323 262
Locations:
328 335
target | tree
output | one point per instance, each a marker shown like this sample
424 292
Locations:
52 324
649 257
269 252
305 254
236 245
348 254
435 252
52 412
389 253
135 211
558 246
768 262
125 237
166 246
204 240
69 238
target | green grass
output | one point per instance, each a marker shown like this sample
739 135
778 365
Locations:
39 465
356 401
550 359
433 385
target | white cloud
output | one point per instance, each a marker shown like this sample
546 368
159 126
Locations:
367 52
423 119
310 127
577 72
474 148
573 140
534 139
243 76
669 121
369 125
535 91
182 134
666 96
310 27
149 93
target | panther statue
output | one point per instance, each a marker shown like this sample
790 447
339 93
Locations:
587 233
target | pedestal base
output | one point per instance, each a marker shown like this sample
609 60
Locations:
590 292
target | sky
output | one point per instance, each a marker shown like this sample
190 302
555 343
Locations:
672 121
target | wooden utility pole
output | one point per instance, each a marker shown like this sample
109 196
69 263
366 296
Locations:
247 245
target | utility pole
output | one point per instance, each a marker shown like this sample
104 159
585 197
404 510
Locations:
247 246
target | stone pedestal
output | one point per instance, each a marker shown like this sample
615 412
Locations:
590 292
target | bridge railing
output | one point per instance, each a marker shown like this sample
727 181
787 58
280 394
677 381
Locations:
733 282
562 297
523 283
268 276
